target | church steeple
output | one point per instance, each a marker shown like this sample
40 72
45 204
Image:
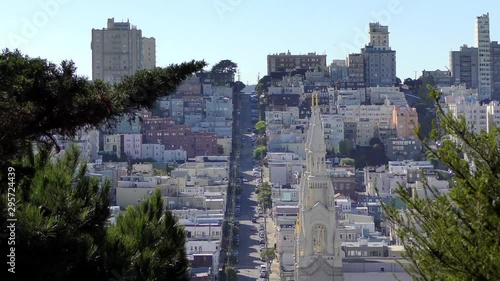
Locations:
315 144
318 243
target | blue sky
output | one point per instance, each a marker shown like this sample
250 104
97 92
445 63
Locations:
246 31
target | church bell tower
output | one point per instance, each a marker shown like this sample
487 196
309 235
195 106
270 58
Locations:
317 252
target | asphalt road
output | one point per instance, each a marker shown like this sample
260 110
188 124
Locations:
249 254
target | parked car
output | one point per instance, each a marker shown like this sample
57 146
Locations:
254 220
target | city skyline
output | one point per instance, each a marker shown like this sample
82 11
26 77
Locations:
217 30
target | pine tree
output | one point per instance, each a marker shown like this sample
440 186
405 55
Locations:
61 213
149 243
455 236
39 99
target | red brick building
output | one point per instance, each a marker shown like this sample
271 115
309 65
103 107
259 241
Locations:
173 136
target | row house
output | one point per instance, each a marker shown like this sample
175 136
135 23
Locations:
344 180
162 155
326 98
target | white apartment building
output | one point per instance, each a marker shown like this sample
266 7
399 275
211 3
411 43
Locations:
175 155
87 143
474 114
333 126
376 113
379 95
112 144
154 151
350 97
288 117
343 203
283 166
365 131
132 145
120 50
493 117
442 187
284 90
483 42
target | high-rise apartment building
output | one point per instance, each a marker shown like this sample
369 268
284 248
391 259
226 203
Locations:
379 35
379 59
464 66
356 68
495 70
120 50
483 45
338 70
287 61
149 52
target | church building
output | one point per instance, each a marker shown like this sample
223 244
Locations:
318 249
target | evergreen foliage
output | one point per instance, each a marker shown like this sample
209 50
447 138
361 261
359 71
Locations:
455 236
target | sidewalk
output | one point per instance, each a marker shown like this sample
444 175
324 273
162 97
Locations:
271 241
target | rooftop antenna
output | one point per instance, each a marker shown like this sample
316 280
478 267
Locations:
239 75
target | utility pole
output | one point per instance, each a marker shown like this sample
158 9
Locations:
239 75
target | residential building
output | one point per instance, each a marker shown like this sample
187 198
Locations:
483 44
387 95
333 130
405 119
495 70
380 66
399 149
118 51
132 145
356 68
165 131
442 78
149 52
339 71
365 132
379 35
283 166
343 180
493 116
113 145
288 62
475 115
464 66
379 59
